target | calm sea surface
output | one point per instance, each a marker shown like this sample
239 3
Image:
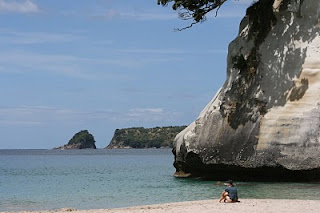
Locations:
90 179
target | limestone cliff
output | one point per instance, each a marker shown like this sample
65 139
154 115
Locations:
139 137
264 122
81 140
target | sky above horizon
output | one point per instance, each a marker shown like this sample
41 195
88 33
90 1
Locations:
100 65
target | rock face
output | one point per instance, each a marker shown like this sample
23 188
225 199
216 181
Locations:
264 123
81 140
139 137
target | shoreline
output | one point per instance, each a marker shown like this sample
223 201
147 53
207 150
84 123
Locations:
207 206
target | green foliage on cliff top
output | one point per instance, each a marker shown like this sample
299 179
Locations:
145 138
84 138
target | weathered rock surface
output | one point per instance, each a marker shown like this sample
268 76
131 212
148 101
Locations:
264 123
81 140
139 137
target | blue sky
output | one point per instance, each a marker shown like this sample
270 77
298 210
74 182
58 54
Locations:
105 64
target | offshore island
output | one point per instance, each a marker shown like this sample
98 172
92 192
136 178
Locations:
140 138
128 138
81 140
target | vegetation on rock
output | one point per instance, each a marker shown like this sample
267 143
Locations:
84 139
81 140
140 137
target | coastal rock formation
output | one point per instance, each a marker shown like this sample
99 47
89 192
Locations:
264 122
81 140
139 137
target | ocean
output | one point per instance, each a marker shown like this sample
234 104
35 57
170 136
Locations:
93 179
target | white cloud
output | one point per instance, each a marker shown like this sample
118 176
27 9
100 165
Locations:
43 115
111 14
68 65
147 110
14 6
15 59
159 51
16 37
148 16
74 66
19 123
150 114
153 51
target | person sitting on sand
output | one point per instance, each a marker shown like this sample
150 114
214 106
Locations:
230 194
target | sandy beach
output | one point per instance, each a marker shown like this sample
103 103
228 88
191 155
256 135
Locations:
210 206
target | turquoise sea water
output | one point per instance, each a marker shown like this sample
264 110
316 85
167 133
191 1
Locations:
91 179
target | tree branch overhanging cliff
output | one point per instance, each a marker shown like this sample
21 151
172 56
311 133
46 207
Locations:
195 10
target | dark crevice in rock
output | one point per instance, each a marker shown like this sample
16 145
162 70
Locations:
193 161
284 5
238 106
298 92
260 22
292 6
196 169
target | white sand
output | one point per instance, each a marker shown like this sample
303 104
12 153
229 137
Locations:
212 206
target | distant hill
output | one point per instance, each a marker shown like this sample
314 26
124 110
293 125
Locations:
81 140
139 137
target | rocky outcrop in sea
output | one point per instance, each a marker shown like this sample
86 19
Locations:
139 137
81 140
264 122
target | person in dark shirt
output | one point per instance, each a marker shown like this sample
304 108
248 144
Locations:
230 194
